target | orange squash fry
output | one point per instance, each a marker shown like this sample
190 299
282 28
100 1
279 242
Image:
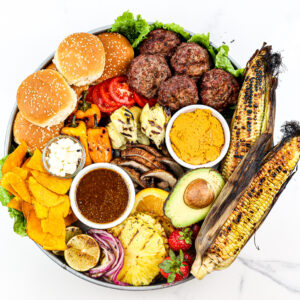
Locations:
21 172
52 242
26 209
43 195
54 184
53 224
41 211
34 228
14 184
62 210
15 159
15 203
36 161
70 219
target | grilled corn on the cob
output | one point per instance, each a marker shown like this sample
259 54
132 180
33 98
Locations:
253 205
253 108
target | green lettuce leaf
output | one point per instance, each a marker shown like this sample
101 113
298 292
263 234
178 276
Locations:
19 221
4 194
134 29
5 197
223 62
203 40
171 26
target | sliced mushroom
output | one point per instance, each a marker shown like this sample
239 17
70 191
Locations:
136 178
149 149
172 165
163 175
135 153
134 164
116 161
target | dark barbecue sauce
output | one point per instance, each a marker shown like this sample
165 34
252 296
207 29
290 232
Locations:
102 196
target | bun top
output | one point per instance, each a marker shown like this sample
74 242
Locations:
45 99
80 58
35 136
118 52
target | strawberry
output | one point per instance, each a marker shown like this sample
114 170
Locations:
195 228
189 257
181 239
174 268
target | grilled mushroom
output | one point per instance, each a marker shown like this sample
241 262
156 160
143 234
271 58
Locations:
148 159
163 175
136 178
172 165
131 164
149 149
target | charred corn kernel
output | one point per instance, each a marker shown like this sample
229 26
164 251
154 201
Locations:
251 208
248 119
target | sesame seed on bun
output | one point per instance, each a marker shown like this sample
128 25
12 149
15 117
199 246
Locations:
80 58
36 137
119 53
45 99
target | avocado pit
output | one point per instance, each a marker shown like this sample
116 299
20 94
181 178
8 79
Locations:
198 194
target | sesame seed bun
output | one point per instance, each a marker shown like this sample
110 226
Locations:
119 54
80 58
77 89
35 137
45 99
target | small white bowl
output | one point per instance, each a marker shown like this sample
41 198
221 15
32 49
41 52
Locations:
226 131
131 191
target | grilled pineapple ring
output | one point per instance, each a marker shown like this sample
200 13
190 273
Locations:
145 244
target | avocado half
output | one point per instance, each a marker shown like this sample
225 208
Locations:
175 207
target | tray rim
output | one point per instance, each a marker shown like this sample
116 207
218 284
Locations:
7 143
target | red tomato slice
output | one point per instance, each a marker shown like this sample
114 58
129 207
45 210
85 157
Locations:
141 101
120 91
104 92
97 99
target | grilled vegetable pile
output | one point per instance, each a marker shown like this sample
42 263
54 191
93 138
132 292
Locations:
219 242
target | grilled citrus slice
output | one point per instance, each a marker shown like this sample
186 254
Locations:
150 201
82 253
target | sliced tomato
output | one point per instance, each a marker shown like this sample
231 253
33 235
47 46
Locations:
105 94
141 101
98 100
120 91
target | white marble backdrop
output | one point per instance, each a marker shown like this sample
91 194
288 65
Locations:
31 30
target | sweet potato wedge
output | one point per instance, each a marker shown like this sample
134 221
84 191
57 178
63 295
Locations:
15 159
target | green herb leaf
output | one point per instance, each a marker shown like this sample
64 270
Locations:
203 40
134 29
171 277
223 62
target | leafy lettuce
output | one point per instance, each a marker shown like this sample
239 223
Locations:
5 197
137 29
134 29
223 62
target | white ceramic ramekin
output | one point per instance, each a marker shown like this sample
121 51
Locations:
226 131
76 181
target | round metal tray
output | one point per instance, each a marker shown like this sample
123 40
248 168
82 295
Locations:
57 259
